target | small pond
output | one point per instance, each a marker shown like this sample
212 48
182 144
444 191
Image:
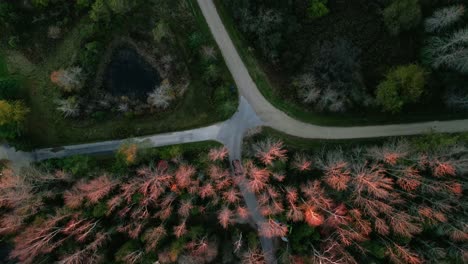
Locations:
129 74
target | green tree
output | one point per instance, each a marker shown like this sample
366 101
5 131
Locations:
121 6
160 31
402 15
100 11
12 116
40 3
317 9
402 85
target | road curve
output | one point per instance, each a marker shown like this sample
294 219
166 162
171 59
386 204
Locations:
278 120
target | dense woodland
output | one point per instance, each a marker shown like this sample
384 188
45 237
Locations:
56 57
360 55
400 201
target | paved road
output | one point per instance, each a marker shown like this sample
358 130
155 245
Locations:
254 110
194 135
278 120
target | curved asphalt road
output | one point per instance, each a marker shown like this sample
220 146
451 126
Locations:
254 110
278 120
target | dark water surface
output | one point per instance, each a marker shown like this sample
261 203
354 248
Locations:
129 74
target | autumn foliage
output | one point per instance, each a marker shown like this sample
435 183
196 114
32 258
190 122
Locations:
344 205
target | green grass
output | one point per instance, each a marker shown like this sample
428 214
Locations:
267 88
47 128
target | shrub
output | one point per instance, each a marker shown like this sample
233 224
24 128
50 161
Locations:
12 112
71 79
444 18
129 153
317 9
402 15
40 3
100 11
402 85
79 166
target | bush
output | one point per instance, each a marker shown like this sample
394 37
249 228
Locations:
79 166
12 116
402 15
402 85
317 9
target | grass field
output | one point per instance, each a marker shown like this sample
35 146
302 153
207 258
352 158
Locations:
47 128
267 88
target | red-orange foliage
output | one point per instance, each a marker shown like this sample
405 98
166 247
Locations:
258 178
18 194
268 151
185 208
73 199
113 203
410 179
153 236
456 188
183 176
301 163
373 207
404 224
315 195
400 254
132 229
242 212
55 77
312 217
217 173
373 181
40 239
430 215
97 188
88 254
216 154
338 216
181 229
391 157
294 213
207 190
231 196
441 169
10 223
253 256
381 227
93 190
458 235
225 217
338 175
202 250
271 228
